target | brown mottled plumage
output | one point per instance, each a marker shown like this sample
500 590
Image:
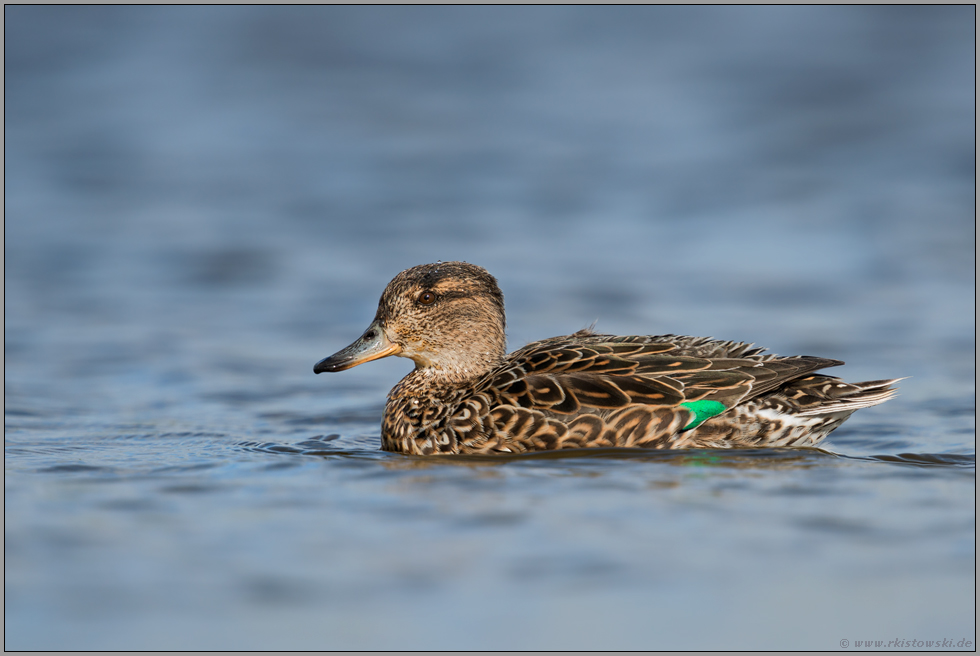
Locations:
581 390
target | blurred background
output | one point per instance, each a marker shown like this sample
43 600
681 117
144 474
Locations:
200 203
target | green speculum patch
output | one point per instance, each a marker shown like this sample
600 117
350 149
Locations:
703 410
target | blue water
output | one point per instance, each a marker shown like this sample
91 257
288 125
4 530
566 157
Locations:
200 203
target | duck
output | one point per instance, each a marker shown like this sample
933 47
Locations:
466 395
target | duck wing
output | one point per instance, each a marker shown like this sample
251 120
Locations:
586 373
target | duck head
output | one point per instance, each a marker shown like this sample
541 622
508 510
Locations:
447 317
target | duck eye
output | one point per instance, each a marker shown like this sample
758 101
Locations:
427 298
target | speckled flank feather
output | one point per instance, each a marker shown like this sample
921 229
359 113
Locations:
584 390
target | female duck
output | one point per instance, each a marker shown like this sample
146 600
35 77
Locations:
466 395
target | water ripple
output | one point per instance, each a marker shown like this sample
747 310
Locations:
958 461
323 445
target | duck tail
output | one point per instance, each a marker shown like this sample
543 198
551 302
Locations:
822 395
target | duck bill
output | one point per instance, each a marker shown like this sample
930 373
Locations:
373 344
